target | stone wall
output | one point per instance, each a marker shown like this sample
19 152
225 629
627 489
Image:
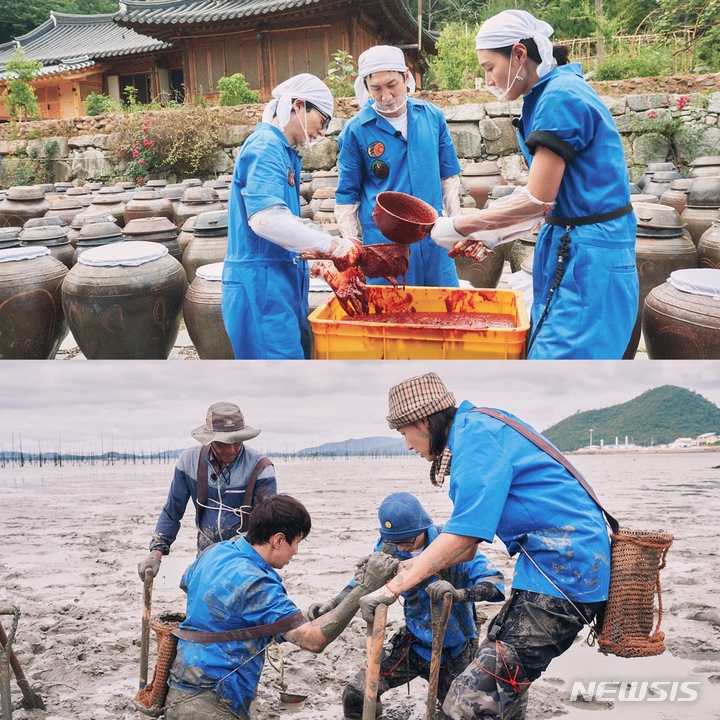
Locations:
654 127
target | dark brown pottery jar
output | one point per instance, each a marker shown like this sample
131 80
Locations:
521 249
651 169
97 233
305 180
124 301
9 237
53 237
21 203
194 201
32 323
209 242
661 246
154 229
80 220
480 178
321 194
323 179
202 310
110 204
709 247
186 233
148 203
66 207
81 194
707 165
660 182
326 212
684 324
483 274
305 209
676 195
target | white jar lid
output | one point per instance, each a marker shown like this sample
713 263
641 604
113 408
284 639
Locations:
698 281
24 252
132 253
213 272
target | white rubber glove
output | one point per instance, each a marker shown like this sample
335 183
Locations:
341 246
451 195
278 225
347 220
444 233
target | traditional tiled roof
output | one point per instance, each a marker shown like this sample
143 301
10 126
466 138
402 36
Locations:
164 16
56 68
65 40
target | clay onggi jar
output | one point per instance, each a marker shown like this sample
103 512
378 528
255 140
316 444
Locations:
202 310
681 318
32 323
123 301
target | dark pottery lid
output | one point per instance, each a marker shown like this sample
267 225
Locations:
655 215
25 192
213 222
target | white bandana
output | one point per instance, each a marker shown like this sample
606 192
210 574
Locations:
512 26
381 58
304 86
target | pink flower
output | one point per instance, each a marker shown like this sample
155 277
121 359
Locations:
148 143
140 180
143 163
663 102
682 101
651 113
146 129
135 154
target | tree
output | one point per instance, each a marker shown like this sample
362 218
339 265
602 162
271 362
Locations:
19 96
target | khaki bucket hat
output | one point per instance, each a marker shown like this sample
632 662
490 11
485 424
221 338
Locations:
224 423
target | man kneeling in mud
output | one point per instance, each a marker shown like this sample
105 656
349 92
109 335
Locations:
236 604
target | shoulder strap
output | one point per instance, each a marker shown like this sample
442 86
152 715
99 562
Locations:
202 483
276 628
260 465
555 454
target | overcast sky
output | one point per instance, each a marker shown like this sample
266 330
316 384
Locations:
155 405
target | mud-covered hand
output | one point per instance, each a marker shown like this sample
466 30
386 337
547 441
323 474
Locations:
349 288
151 562
316 610
375 570
382 596
437 589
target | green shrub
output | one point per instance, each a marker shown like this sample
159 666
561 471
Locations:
19 95
342 72
97 104
456 65
647 63
234 90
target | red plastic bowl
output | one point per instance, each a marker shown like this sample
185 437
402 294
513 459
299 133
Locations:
402 218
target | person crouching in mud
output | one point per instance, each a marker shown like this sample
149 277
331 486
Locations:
236 604
406 530
503 484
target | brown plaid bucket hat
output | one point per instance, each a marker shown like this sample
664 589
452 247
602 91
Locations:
224 423
416 398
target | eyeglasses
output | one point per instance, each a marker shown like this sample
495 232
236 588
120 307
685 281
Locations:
325 118
408 544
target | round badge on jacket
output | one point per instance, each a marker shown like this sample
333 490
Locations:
380 169
290 177
375 149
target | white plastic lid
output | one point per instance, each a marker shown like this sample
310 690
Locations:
132 253
24 252
213 271
698 281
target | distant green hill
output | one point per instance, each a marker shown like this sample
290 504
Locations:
656 417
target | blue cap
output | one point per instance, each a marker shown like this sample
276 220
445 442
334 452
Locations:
402 517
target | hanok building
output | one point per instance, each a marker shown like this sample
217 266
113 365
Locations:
82 54
268 41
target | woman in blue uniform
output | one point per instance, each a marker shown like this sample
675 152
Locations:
265 283
585 285
401 144
503 484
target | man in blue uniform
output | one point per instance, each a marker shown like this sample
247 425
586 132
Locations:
502 483
401 144
224 478
406 530
237 604
265 282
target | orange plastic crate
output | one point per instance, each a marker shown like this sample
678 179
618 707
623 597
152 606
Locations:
368 340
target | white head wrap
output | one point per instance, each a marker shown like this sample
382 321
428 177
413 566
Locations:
305 86
512 26
380 58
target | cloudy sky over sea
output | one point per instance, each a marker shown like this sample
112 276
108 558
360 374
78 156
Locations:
84 405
